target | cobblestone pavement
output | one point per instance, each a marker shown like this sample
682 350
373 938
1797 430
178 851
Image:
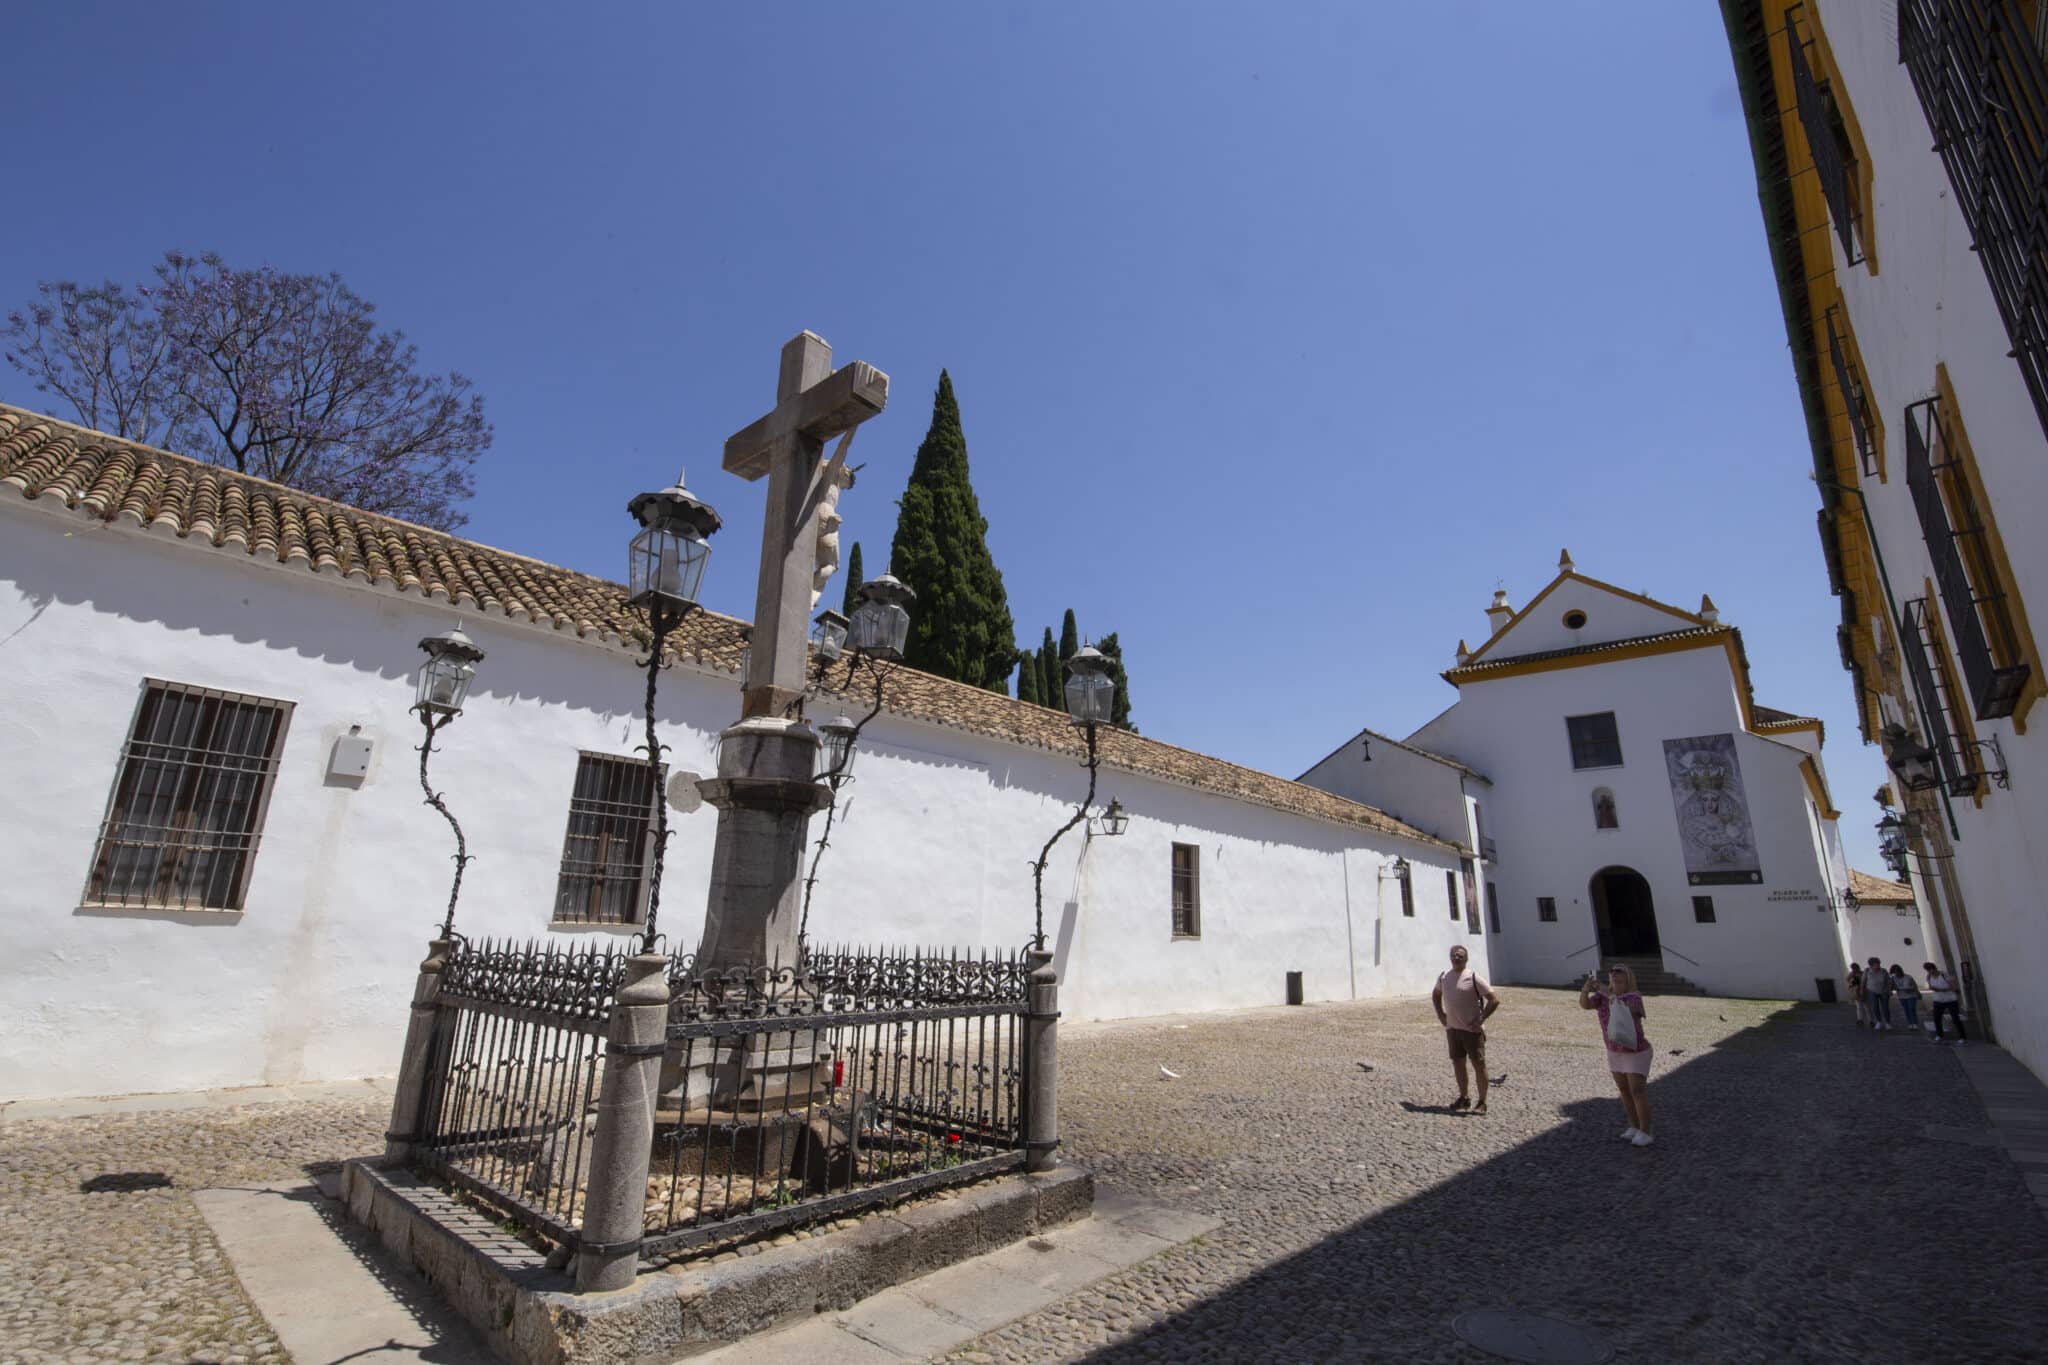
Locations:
105 1258
1792 1208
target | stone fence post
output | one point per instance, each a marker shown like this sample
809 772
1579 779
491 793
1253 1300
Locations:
615 1200
1041 1063
419 1047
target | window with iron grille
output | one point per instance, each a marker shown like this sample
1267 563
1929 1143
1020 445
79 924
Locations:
1834 158
1855 400
1187 891
1471 896
1493 907
1928 671
1983 86
1546 909
1979 619
1703 909
605 853
1596 743
187 808
1407 881
1451 894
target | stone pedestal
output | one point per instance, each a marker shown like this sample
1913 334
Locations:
616 1197
419 1045
765 796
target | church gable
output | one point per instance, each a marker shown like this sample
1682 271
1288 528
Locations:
1575 612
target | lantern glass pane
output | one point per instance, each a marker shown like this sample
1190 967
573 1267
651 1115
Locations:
830 637
1088 698
444 684
668 562
880 629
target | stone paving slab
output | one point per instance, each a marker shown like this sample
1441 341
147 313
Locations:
2016 1102
325 1289
99 1106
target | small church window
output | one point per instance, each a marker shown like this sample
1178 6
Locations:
1604 814
1574 619
1546 909
1596 742
1187 891
1493 907
1703 909
1407 894
187 807
604 855
1451 894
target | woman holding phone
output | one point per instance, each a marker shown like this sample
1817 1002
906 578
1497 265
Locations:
1628 1050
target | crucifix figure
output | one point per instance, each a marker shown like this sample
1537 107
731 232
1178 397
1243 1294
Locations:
764 792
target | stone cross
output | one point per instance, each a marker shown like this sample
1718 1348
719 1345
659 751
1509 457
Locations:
813 403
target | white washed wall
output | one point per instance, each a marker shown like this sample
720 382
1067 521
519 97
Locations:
1540 814
1929 304
311 981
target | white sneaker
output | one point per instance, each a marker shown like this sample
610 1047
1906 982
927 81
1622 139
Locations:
1642 1139
1629 1133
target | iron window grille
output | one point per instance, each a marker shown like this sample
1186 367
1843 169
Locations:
1407 896
1546 909
605 854
1596 742
1984 88
1854 398
1978 616
1187 891
186 812
1492 908
1834 161
1471 896
1451 894
1703 909
1925 667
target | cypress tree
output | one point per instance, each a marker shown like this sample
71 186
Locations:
1051 677
1070 638
1027 677
1120 701
961 628
853 581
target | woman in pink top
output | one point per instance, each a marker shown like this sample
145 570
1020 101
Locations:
1628 1050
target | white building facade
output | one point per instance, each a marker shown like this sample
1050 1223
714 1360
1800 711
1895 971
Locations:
1896 147
1628 798
211 885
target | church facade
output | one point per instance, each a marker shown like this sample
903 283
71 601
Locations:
1627 797
222 872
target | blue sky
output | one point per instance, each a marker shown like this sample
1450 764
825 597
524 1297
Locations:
1281 333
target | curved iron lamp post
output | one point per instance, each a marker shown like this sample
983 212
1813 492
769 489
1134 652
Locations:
442 687
665 569
1091 686
877 633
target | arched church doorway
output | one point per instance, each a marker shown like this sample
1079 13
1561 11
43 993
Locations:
1623 913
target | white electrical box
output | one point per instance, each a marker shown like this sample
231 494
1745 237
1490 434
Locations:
351 757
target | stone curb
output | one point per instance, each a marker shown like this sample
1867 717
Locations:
502 1287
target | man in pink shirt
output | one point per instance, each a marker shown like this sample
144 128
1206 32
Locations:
1464 1002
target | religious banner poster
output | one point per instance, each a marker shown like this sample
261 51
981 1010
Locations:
1713 814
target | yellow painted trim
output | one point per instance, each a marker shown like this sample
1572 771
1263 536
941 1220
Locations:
1989 559
1645 650
1574 576
1777 729
1966 727
1809 770
1828 70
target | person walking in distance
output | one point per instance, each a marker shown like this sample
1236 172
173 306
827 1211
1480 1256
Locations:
1907 991
1464 1002
1628 1050
1942 987
1859 995
1877 984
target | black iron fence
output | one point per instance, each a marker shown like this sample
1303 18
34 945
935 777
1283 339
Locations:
787 1095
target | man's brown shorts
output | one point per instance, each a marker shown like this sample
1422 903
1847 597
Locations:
1467 1043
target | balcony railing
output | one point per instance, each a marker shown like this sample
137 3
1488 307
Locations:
1854 399
1977 611
1984 89
1924 666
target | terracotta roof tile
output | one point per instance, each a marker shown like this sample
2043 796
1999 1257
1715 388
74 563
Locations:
1874 890
106 477
1481 667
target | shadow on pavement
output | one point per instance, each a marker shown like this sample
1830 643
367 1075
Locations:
1789 1211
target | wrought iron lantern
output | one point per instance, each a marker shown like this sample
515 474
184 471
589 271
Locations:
445 677
828 633
665 565
1913 761
839 734
881 623
1091 686
1114 821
